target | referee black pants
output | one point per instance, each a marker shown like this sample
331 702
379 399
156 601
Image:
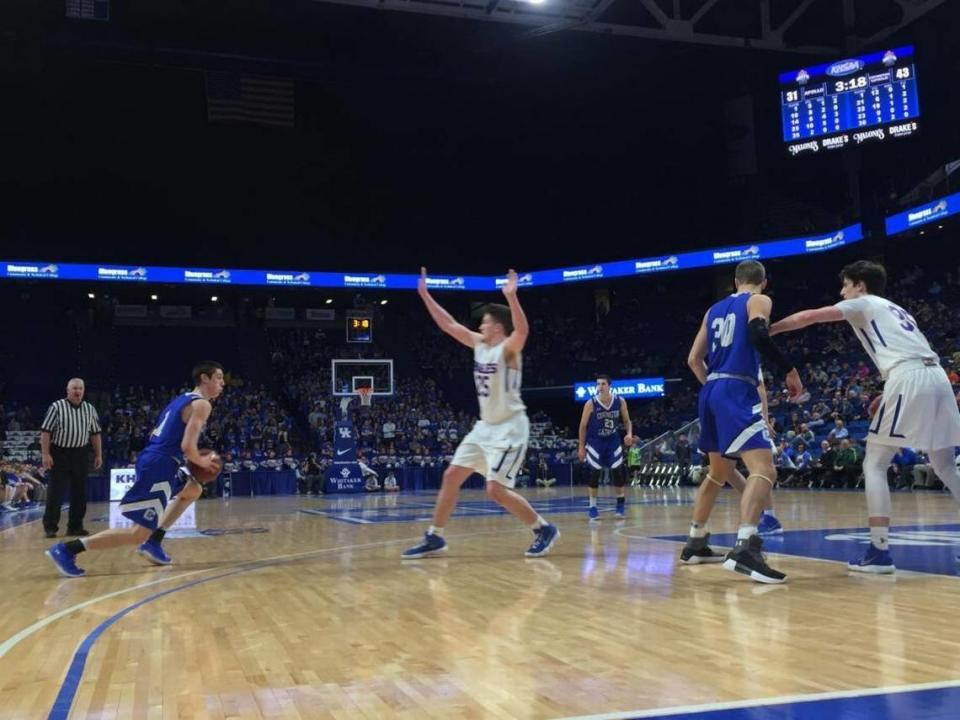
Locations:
68 478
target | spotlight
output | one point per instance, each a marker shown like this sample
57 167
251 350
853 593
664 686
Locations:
329 301
91 296
383 302
213 298
154 297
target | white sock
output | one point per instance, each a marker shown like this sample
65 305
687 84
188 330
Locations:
746 532
434 530
698 531
593 501
880 537
83 541
538 523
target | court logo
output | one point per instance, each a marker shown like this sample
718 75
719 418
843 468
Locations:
915 538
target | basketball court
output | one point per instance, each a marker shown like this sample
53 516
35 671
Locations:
292 607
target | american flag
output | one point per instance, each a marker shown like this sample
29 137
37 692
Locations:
255 99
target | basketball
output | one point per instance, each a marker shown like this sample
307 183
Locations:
203 476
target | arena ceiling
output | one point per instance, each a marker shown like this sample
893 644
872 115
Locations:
814 26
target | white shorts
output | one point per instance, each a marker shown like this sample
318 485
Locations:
495 451
918 410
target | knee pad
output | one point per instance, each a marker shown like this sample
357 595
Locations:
712 479
772 481
593 480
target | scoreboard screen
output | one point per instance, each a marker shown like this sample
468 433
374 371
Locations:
359 329
854 101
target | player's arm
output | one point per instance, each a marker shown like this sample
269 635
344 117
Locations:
698 353
584 421
199 412
513 345
442 318
805 318
758 332
627 423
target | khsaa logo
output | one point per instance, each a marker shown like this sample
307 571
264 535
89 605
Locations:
845 67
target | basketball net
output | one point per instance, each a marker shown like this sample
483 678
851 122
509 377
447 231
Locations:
366 396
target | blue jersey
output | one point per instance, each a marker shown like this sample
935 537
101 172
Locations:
728 345
603 421
168 434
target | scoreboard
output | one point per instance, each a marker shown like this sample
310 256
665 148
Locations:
861 99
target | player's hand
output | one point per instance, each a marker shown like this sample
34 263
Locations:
510 287
581 454
794 385
628 440
874 405
422 282
97 462
47 461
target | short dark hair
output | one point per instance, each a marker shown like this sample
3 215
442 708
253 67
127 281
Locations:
604 377
205 367
872 275
501 314
750 272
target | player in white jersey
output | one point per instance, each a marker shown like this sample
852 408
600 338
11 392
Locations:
917 408
496 446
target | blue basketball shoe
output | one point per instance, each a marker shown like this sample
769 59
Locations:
769 525
621 507
65 561
431 545
154 553
546 537
874 561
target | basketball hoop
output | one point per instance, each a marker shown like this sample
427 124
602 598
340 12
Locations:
366 396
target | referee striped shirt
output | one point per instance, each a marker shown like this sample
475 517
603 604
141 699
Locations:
69 425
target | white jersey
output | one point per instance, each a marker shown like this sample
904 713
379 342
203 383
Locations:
498 386
887 332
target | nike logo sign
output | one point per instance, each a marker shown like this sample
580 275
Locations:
342 452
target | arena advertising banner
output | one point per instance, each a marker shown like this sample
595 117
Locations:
923 214
629 388
24 270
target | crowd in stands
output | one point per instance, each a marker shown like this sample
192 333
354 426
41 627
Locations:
819 440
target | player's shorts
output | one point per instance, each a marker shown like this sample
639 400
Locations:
918 409
604 452
495 451
731 421
157 481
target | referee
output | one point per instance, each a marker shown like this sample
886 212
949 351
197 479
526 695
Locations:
68 429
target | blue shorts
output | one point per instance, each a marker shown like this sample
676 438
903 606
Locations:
157 481
730 418
604 452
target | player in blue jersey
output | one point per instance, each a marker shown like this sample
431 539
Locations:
725 357
148 501
600 444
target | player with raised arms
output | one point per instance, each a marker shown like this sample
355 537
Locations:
158 471
917 408
497 444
